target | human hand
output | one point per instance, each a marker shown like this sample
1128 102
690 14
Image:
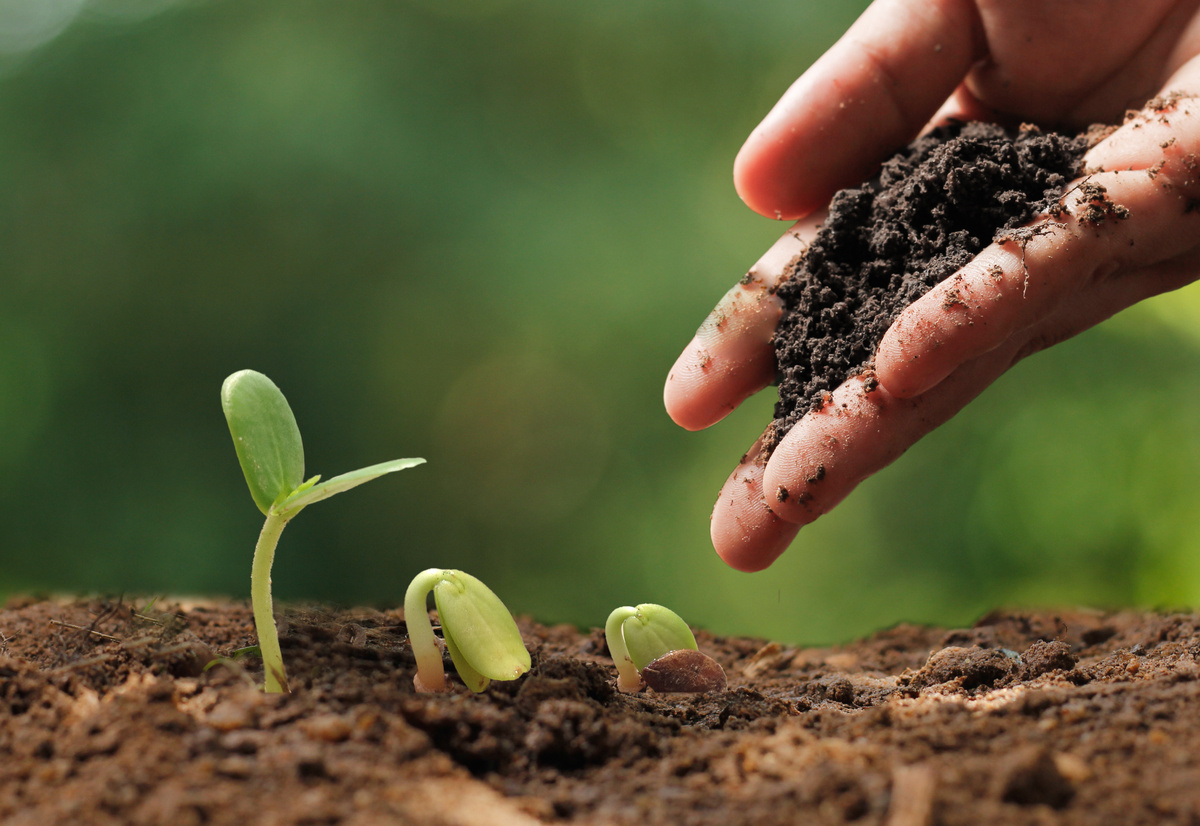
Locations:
907 63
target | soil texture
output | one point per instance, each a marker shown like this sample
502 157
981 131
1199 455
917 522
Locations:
113 713
932 208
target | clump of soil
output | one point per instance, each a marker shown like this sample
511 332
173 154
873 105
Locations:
110 714
933 208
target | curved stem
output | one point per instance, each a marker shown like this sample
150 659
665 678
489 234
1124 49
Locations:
628 679
431 675
260 599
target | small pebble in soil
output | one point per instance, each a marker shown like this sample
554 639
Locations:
1043 657
684 671
964 668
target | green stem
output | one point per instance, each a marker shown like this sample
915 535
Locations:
431 675
628 679
260 599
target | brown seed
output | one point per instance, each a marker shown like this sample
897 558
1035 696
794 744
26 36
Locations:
685 670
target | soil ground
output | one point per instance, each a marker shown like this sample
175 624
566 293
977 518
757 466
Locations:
108 715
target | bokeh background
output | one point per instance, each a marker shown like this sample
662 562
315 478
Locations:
479 231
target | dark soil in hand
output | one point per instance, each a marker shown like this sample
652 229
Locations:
108 715
932 209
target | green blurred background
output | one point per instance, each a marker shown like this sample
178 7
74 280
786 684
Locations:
480 232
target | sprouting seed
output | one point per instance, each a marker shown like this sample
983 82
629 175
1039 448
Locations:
480 634
652 645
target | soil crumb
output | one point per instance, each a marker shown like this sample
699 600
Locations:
933 207
115 714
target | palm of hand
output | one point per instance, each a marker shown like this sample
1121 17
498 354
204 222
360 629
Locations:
1004 61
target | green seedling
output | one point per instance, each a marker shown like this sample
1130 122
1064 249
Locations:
268 445
480 634
638 636
651 644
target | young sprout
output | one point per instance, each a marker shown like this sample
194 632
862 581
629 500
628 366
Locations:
480 634
652 644
267 441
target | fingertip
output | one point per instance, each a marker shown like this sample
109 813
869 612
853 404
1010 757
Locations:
752 539
826 454
746 534
731 357
792 482
687 394
899 368
760 179
857 104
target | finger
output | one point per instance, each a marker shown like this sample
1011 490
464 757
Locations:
964 106
731 356
1073 63
1165 128
745 533
870 93
861 429
1141 219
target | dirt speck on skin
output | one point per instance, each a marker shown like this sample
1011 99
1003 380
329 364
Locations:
111 714
1098 206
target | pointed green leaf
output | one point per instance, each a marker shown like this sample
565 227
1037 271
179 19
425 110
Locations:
315 493
265 436
654 631
481 628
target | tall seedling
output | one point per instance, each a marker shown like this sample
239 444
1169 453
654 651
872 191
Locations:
268 445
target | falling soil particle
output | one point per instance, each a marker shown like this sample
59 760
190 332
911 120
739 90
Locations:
111 715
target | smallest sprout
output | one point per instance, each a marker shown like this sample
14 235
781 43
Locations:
481 635
638 636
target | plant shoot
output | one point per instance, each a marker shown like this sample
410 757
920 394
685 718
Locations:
267 440
638 636
652 645
480 633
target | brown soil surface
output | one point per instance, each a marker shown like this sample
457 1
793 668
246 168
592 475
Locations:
932 208
109 716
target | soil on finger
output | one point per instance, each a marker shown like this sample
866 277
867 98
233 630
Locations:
932 208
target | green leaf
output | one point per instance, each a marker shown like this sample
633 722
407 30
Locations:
247 651
265 436
471 678
654 631
309 493
477 625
